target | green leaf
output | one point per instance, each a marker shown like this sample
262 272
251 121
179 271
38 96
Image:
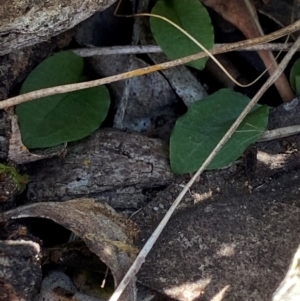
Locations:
295 77
190 15
197 133
56 119
297 82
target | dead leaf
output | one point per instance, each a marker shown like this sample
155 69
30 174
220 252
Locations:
242 14
106 233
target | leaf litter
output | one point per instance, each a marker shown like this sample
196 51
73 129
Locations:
113 246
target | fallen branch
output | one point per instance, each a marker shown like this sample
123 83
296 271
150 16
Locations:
149 244
79 86
134 49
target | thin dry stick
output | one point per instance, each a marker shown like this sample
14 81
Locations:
270 67
149 244
136 49
79 86
279 133
211 56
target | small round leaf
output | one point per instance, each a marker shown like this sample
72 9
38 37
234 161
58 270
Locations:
198 132
56 119
190 15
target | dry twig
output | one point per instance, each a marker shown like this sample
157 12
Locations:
279 133
135 49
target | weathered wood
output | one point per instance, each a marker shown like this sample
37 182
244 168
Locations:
20 271
223 239
27 22
111 166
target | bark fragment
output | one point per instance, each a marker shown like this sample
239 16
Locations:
110 166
